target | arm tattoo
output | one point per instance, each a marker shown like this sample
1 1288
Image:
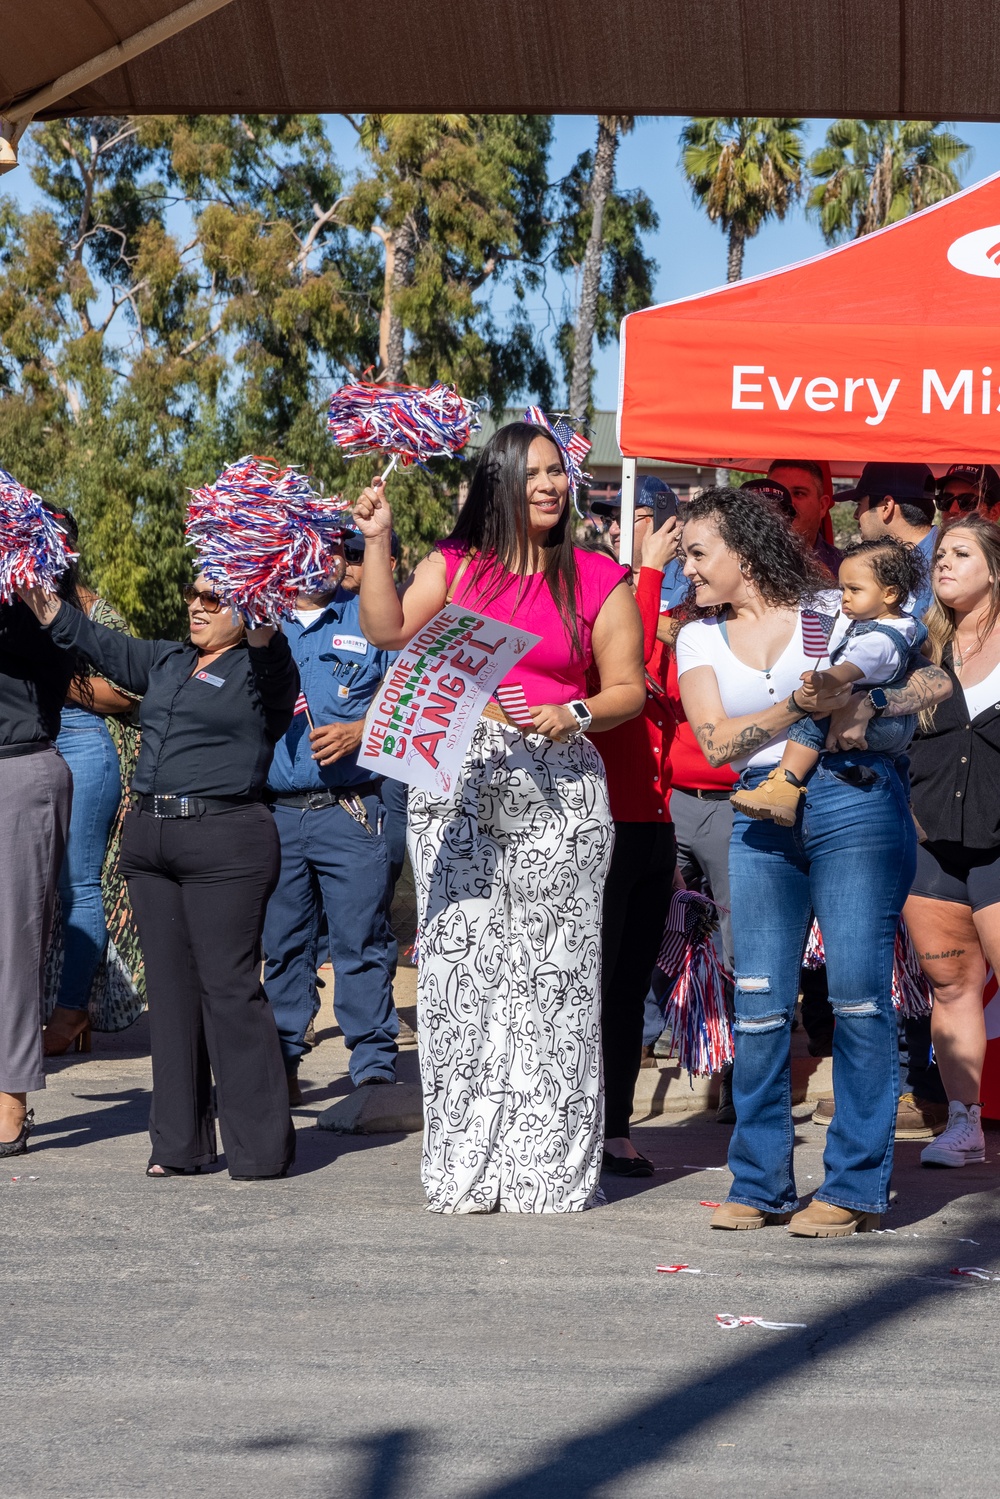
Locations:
920 690
723 751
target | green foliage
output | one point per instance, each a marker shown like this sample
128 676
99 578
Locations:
626 271
742 171
870 173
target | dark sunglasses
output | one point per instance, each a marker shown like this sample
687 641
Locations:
354 554
210 602
965 502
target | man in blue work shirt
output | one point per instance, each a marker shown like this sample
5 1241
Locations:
330 819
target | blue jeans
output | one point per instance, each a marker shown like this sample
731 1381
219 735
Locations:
884 736
88 749
330 863
850 858
394 794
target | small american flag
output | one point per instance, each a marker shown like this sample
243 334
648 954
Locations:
301 706
815 637
512 700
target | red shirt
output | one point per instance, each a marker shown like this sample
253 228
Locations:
689 768
636 754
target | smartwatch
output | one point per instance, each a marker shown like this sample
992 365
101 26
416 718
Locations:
878 702
582 714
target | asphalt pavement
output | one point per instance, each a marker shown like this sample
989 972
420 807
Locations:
324 1337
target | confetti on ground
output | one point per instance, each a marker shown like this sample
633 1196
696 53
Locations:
974 1271
702 1168
677 1270
710 1204
726 1319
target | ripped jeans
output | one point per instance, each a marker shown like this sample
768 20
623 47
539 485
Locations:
850 858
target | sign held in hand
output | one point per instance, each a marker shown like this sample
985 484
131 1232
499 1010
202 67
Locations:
423 716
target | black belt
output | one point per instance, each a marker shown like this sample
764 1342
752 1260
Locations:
12 751
190 806
328 797
705 796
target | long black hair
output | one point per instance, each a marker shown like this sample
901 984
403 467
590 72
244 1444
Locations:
493 523
775 560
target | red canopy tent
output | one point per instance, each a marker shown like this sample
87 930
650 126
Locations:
885 348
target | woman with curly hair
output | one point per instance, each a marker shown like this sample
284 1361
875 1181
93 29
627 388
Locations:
510 865
745 670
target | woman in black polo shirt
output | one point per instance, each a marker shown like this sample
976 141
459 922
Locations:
953 912
200 855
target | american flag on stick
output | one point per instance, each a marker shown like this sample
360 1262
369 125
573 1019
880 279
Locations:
512 700
302 706
815 636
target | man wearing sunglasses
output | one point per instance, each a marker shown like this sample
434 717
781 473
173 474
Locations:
331 818
968 488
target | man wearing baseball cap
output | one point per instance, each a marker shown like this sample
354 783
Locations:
968 487
654 501
897 499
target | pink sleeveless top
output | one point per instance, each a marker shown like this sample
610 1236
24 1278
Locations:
549 672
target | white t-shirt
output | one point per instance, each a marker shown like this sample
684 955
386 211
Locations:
873 653
742 688
985 694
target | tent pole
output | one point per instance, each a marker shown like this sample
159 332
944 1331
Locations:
627 521
18 116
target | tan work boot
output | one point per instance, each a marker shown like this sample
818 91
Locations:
822 1220
775 800
739 1215
919 1119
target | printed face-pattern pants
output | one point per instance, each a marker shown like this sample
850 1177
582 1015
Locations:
509 873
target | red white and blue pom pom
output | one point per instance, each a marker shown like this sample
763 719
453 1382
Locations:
911 989
696 1018
33 552
572 444
411 422
262 534
814 956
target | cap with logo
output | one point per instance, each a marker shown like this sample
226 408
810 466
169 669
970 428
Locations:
354 541
906 483
652 494
982 477
772 490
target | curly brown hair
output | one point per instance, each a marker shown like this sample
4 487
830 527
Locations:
777 562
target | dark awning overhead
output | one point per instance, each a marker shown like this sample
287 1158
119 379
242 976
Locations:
930 59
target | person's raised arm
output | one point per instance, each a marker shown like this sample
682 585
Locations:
724 739
120 657
387 618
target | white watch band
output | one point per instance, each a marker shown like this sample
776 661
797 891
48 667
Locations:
581 713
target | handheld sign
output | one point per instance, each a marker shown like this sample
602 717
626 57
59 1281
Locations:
423 716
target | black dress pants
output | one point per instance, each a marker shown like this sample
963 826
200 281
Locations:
198 888
636 900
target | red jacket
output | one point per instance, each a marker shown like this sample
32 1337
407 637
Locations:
689 768
636 754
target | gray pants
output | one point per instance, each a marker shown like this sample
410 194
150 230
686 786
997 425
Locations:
35 796
704 829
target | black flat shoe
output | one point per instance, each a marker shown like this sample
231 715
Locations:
160 1173
19 1144
270 1176
622 1165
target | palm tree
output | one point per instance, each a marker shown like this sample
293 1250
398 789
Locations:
742 172
873 172
610 128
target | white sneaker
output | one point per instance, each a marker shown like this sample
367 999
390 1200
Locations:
962 1141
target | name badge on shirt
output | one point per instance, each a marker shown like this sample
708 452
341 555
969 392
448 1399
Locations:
206 676
350 643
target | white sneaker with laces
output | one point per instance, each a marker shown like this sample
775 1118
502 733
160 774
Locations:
962 1141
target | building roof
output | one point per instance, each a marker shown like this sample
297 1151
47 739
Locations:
605 452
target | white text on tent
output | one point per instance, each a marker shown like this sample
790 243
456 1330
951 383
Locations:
819 394
960 386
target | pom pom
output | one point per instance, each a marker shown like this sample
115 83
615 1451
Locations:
261 534
911 990
814 957
408 421
573 446
696 1010
33 551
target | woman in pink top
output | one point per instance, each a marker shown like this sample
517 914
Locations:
510 865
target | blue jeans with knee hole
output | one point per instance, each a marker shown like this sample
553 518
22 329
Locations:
86 745
850 858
